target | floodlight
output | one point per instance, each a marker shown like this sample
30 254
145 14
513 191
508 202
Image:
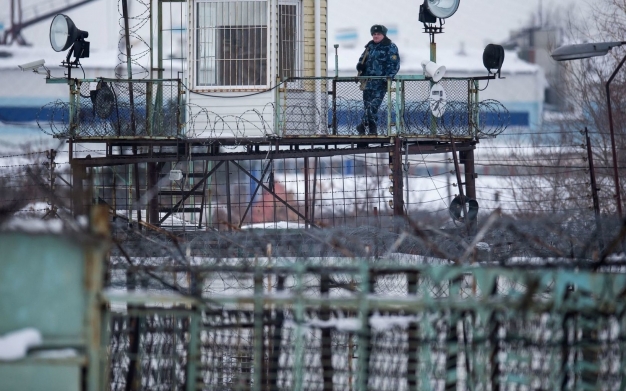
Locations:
433 9
434 71
583 50
64 34
493 57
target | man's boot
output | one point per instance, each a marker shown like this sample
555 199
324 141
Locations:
373 128
360 128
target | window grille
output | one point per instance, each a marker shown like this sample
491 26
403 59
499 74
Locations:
288 41
232 42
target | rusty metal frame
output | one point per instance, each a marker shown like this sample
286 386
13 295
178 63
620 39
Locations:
291 208
186 194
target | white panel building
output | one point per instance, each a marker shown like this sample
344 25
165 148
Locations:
239 50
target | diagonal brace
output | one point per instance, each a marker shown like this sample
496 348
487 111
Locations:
275 195
254 194
187 194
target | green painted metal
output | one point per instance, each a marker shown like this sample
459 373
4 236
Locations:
40 375
390 106
554 327
51 282
41 286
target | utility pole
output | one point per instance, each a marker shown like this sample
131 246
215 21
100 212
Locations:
52 210
594 189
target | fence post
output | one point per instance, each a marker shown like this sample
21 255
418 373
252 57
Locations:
364 346
277 336
326 354
193 352
259 368
395 158
413 335
389 107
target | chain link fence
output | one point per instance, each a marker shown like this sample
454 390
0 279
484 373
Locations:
302 107
121 108
336 106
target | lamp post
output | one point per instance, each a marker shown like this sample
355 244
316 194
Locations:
586 50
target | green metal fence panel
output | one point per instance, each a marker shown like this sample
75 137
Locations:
368 324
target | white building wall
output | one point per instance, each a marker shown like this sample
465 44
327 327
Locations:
230 115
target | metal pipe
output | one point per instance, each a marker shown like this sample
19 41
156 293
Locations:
618 197
336 46
306 189
228 201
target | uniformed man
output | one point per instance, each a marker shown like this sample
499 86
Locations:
380 58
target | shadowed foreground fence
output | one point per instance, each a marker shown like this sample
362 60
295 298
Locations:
400 323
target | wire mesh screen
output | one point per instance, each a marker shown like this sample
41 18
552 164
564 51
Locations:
127 108
350 190
148 349
452 107
332 107
350 111
351 107
378 324
304 107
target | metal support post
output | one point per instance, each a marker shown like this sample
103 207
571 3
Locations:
326 342
153 202
229 212
467 158
395 158
594 189
137 192
334 114
306 190
79 173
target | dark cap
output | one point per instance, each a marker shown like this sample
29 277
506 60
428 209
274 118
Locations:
378 28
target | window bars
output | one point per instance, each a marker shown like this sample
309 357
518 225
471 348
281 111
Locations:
232 43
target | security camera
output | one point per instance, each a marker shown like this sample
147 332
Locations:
32 65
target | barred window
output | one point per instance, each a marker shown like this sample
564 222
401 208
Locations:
288 41
232 42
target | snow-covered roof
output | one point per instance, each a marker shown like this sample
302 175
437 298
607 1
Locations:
14 55
469 61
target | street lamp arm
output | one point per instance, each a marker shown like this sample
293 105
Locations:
584 50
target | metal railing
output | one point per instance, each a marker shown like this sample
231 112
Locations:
125 108
112 108
335 106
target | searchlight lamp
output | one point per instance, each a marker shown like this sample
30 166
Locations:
64 34
432 10
493 58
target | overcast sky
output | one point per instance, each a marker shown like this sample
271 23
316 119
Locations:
476 23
